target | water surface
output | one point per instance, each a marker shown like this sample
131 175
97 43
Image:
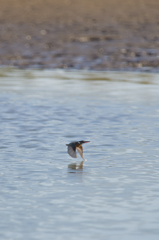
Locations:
116 194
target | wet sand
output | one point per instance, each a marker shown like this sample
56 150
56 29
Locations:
95 35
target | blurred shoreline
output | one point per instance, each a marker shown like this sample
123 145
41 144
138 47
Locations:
116 35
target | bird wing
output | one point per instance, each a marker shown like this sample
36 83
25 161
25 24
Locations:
72 150
80 150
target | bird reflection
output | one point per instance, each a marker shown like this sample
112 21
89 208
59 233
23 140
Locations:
76 166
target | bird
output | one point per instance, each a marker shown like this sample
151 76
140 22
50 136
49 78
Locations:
73 146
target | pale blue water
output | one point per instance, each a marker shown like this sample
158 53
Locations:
116 194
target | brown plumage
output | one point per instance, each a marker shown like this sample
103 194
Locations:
73 146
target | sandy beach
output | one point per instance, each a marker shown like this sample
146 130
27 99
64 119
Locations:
96 35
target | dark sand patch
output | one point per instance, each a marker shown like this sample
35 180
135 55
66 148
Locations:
98 35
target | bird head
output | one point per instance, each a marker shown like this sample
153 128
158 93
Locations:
81 142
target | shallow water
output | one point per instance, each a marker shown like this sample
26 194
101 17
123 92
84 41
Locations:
116 193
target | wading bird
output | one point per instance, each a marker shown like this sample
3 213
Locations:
73 146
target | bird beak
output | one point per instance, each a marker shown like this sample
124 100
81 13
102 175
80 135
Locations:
86 141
